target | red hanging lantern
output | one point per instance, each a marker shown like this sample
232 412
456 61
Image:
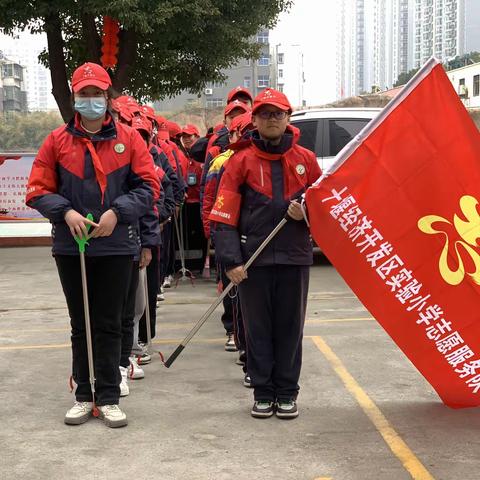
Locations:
111 28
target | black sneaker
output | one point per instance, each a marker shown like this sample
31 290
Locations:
230 343
286 409
262 409
241 358
247 381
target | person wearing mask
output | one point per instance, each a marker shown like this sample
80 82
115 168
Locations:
94 165
261 184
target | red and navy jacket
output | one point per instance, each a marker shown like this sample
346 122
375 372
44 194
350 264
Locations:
217 144
193 177
258 184
176 178
214 175
167 179
111 169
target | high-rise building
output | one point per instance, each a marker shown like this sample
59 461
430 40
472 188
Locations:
372 44
439 30
13 97
288 72
380 39
24 49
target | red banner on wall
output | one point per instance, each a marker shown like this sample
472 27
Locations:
398 216
14 173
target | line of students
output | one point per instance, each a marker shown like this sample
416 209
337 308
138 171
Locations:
133 170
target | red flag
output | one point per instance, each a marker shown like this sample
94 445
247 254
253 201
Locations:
398 216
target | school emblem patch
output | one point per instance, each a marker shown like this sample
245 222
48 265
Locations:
300 169
119 147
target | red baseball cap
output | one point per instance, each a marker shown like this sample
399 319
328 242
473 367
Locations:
234 105
90 75
242 122
190 130
270 96
149 112
162 131
238 91
141 122
174 129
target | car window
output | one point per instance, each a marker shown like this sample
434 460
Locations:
341 131
308 134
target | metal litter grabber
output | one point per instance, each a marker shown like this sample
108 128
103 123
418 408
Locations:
219 300
91 371
206 266
183 273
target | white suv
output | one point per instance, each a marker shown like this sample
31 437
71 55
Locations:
326 131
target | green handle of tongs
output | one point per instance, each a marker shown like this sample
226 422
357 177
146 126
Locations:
84 240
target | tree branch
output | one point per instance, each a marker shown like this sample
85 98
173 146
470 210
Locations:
91 38
127 56
56 60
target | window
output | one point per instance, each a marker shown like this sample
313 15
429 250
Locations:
7 70
264 60
247 82
263 81
11 93
216 84
308 135
280 58
262 37
476 85
280 87
341 132
214 102
247 62
280 73
462 88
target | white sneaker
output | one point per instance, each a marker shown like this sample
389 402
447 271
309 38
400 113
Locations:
145 357
112 416
167 283
230 344
79 413
124 390
134 371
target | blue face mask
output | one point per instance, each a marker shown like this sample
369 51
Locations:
92 108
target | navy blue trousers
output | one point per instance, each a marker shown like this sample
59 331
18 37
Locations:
274 301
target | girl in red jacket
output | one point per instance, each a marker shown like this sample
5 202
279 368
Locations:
94 165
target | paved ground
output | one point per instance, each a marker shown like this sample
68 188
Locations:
365 411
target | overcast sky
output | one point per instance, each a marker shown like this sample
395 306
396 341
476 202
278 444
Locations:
311 24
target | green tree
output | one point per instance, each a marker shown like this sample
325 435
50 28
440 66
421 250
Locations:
26 132
404 77
164 46
463 60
